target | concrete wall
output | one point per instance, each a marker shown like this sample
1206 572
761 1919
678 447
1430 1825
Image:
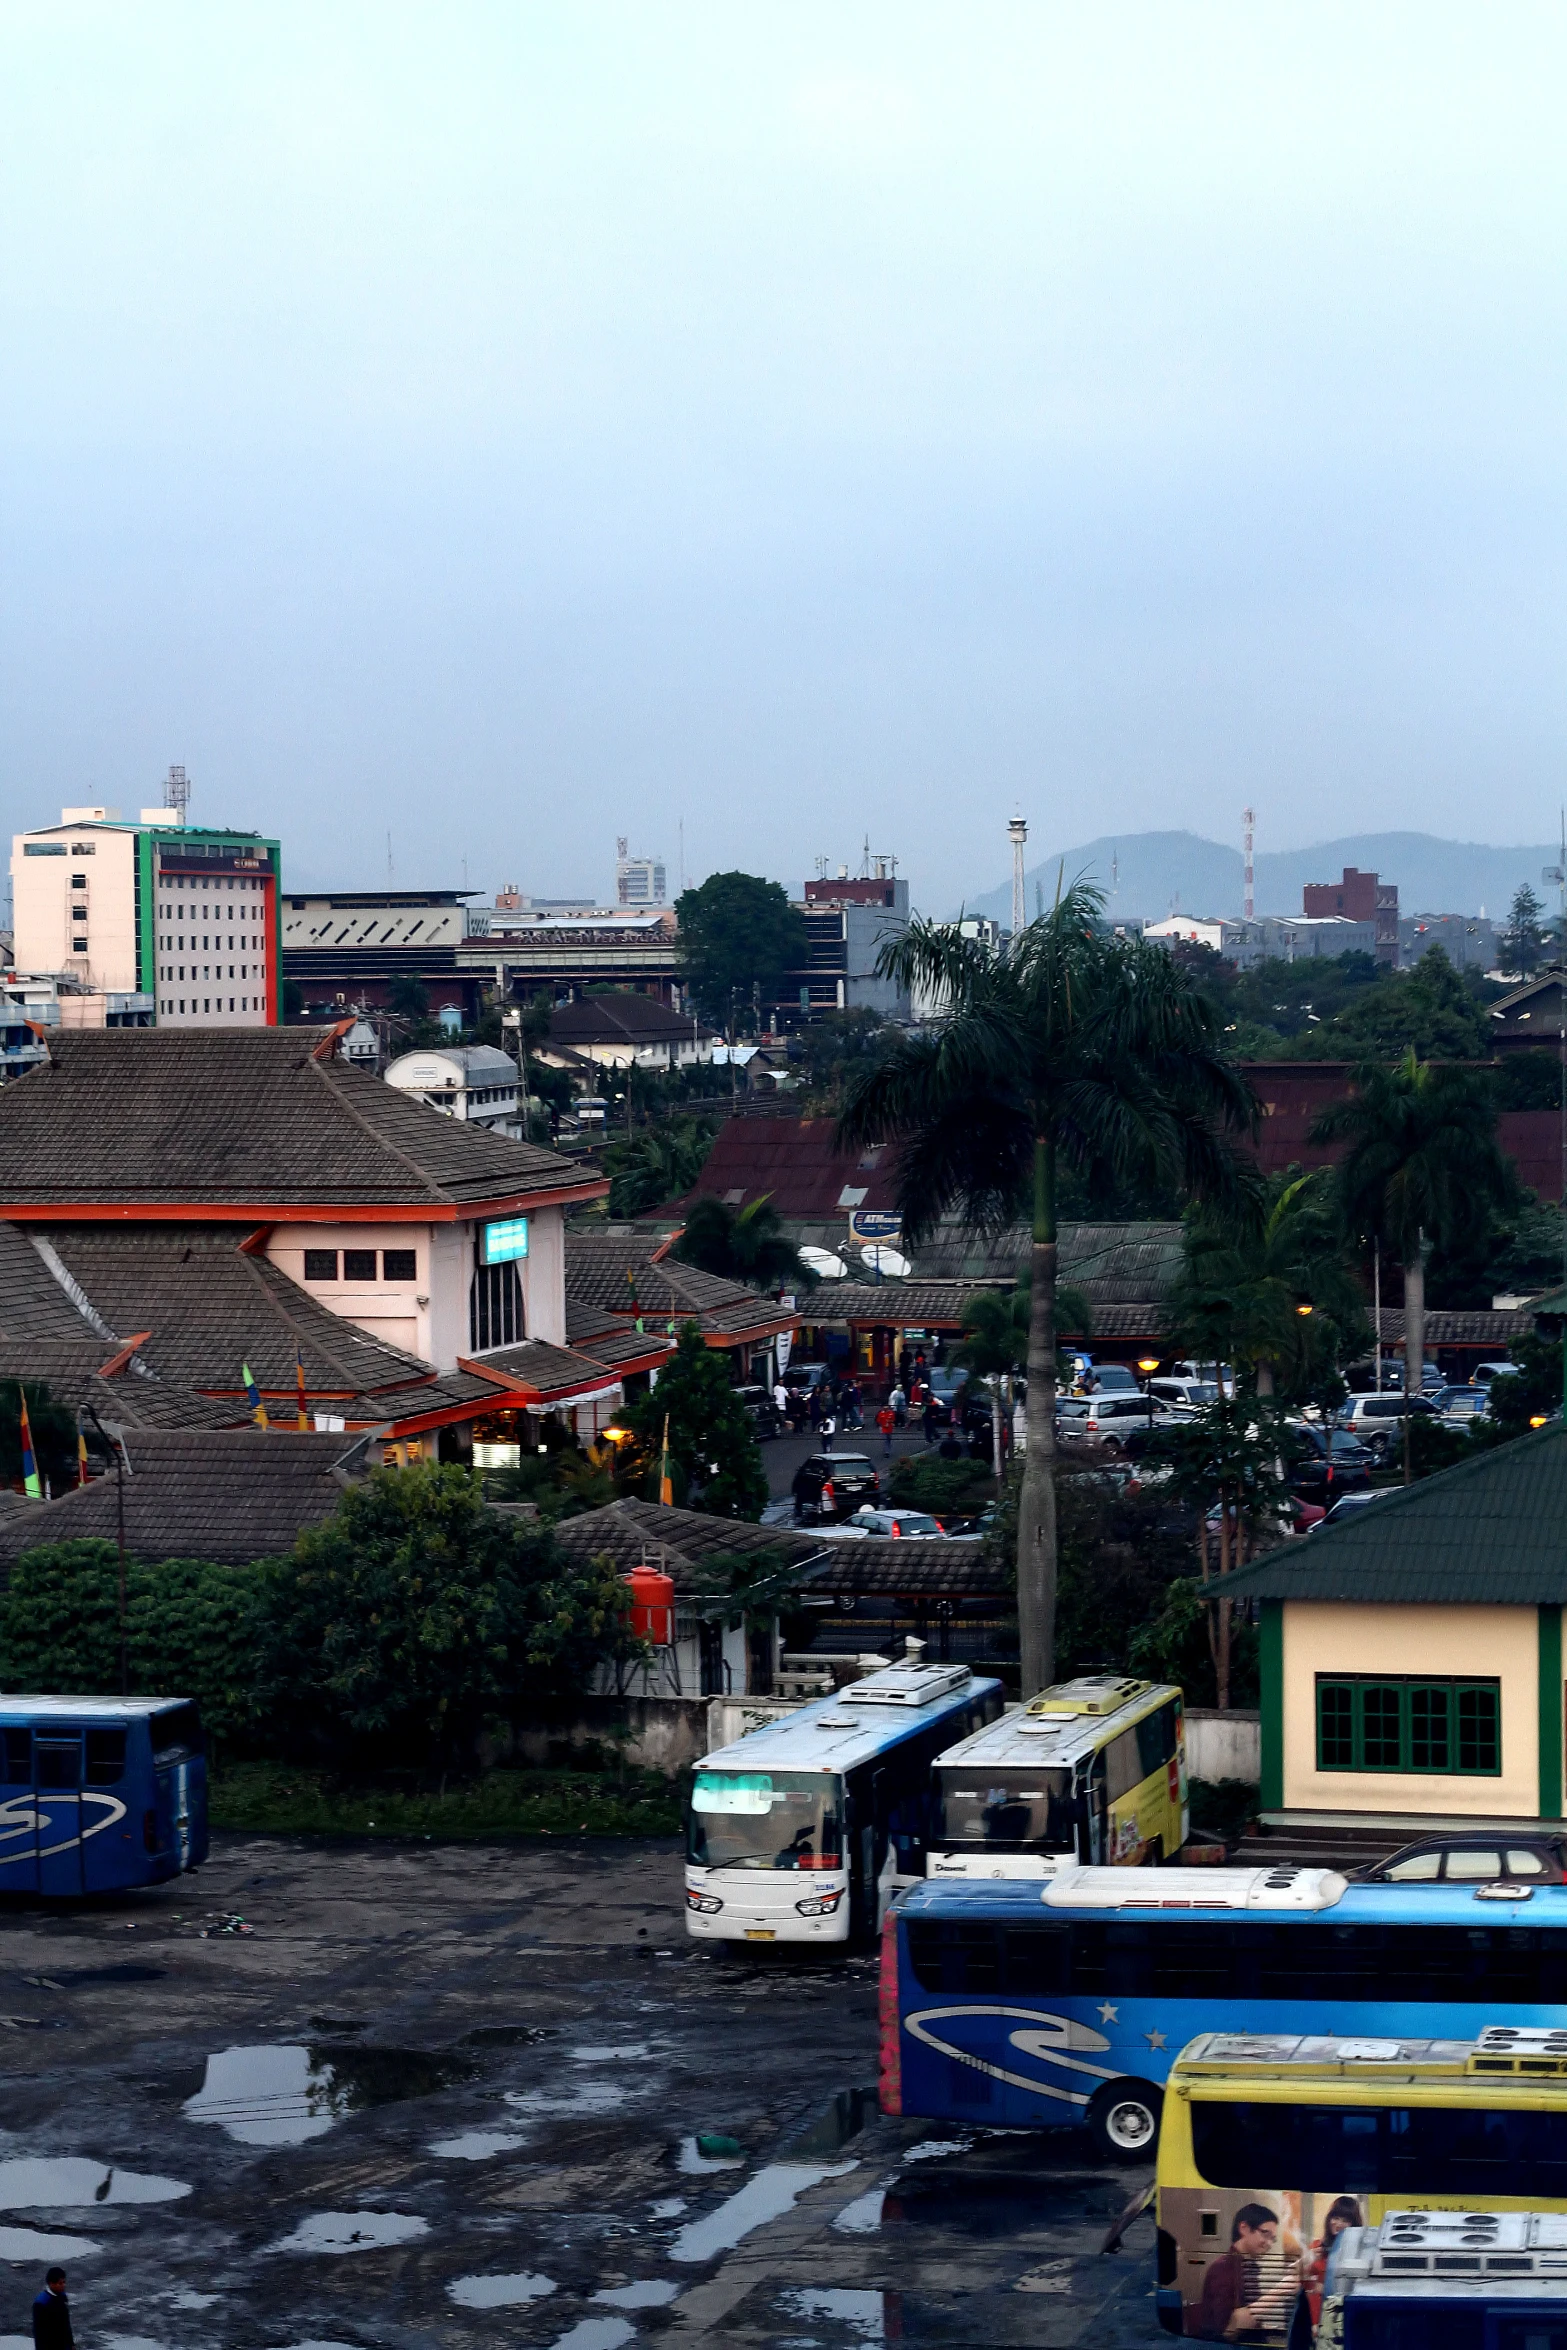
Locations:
1224 1745
665 1734
1492 1641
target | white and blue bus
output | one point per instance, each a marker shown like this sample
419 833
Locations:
806 1829
1034 2006
99 1794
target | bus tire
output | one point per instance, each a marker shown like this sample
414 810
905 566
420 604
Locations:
1123 2120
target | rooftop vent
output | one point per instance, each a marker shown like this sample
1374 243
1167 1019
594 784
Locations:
1165 1889
916 1684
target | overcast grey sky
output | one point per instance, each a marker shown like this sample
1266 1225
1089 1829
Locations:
512 425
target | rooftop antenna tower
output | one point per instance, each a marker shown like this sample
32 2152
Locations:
176 792
1247 821
1017 834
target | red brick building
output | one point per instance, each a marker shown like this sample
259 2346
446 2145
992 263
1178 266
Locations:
1360 897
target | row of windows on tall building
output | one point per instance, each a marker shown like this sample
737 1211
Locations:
397 1264
209 1003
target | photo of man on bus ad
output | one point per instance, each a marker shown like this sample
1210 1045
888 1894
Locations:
1246 2257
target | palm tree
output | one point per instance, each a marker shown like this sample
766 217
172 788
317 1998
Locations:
1422 1164
1070 1049
995 1341
1276 1296
747 1244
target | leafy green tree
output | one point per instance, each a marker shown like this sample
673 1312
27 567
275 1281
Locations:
1529 1081
742 1244
657 1165
407 997
739 936
1533 1391
1431 1011
835 1046
1228 1462
715 1462
1422 1163
1277 1298
1523 943
414 1613
1072 1049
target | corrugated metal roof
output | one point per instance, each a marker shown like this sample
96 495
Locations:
1491 1532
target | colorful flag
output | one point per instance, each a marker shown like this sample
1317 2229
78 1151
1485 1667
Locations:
258 1408
32 1484
666 1483
299 1382
81 1458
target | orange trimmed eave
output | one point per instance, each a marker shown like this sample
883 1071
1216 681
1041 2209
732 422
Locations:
260 1212
506 1383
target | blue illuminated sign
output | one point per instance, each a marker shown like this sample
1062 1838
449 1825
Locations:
504 1242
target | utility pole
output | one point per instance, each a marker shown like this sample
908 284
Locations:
1017 834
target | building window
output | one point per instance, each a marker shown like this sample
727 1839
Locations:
78 946
1395 1722
320 1263
399 1264
495 1316
359 1264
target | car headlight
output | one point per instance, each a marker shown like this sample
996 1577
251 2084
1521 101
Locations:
823 1905
708 1903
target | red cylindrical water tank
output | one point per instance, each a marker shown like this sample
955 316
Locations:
652 1606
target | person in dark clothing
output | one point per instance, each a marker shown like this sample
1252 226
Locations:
52 2315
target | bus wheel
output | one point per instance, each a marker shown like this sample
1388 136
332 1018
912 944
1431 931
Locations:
1123 2120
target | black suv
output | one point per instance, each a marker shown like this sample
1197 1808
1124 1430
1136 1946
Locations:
766 1418
834 1485
1328 1462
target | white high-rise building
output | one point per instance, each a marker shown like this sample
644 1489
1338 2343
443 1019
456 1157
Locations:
639 881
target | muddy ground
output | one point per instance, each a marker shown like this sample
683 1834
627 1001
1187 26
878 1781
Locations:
452 2096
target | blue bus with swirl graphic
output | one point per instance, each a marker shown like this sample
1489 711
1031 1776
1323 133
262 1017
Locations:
100 1794
1037 2006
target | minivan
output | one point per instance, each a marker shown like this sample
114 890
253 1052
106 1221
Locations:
1378 1420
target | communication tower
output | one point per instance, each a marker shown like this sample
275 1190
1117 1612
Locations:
176 792
1017 834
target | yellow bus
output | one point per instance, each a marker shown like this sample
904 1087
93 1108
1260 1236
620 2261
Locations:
1270 2149
1089 1770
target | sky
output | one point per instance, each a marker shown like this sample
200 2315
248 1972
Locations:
463 433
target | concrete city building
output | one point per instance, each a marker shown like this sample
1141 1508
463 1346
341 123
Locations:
1468 940
185 917
1360 897
474 1083
639 881
1282 938
847 922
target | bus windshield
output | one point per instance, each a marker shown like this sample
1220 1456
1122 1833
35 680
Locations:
1013 1808
766 1820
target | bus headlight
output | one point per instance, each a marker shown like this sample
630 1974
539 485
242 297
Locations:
708 1903
822 1907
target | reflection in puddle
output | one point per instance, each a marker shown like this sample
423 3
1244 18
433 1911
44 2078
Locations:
862 2217
596 2333
584 2097
695 2164
478 2145
353 2231
52 2182
499 2292
933 2149
33 2244
651 2293
767 2196
843 2120
631 2055
280 2096
671 2207
862 2312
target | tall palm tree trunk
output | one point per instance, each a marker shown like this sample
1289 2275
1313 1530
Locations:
1036 1516
1414 1323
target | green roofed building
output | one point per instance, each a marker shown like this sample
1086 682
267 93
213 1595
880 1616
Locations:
1412 1665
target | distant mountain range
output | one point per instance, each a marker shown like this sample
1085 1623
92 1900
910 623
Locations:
1147 875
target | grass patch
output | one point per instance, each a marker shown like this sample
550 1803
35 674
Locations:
273 1799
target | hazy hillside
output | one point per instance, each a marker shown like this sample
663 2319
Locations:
1151 874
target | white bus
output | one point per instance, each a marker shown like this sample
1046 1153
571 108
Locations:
1089 1770
806 1830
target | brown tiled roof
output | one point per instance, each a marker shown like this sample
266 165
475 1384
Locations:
612 1340
626 1019
627 1273
1446 1326
229 1495
629 1532
921 1571
545 1371
792 1162
246 1121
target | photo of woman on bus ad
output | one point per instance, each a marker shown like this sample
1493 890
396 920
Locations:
1246 2259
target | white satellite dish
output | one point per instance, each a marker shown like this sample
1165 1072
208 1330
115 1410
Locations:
824 1264
882 1259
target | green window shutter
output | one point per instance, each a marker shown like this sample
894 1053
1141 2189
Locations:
1392 1722
1430 1718
1381 1726
1335 1726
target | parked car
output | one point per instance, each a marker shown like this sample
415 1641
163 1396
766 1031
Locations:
1378 1420
1348 1503
1297 1517
1190 1395
1474 1860
1105 1419
910 1525
833 1485
1484 1373
1462 1407
766 1418
1327 1462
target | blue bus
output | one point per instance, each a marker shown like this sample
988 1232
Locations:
806 1829
100 1793
1031 2006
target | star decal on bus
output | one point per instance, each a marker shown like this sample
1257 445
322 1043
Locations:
1109 2015
1154 2039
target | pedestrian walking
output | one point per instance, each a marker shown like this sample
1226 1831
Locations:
829 1430
886 1421
928 1419
851 1406
52 2315
900 1405
781 1399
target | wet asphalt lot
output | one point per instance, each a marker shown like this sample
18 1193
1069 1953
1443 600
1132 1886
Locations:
512 2051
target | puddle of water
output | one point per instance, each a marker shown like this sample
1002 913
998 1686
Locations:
479 2145
282 2095
864 2313
505 2036
695 2164
773 2191
671 2207
932 2149
54 2182
499 2292
584 2097
862 2217
844 2119
974 2208
353 2231
189 2300
651 2293
597 2333
30 2244
130 2342
631 2055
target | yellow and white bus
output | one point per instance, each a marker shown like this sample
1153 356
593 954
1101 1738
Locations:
1092 1770
1272 2149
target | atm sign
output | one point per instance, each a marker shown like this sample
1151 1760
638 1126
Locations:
503 1242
